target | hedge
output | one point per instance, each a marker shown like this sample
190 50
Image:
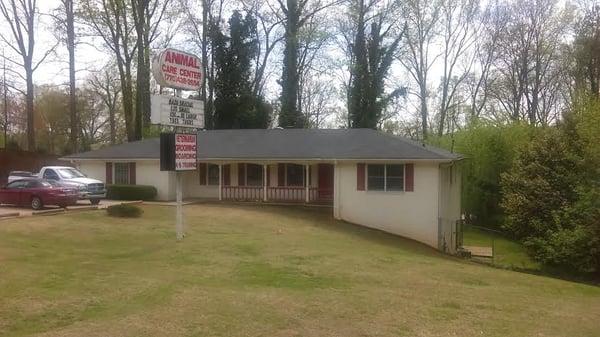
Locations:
131 192
124 211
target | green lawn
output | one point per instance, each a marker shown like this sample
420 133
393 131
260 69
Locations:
263 271
507 253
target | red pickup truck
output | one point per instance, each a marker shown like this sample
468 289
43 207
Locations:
37 193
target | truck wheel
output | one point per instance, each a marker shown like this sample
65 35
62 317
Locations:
95 201
36 203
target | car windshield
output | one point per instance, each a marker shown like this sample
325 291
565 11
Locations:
69 173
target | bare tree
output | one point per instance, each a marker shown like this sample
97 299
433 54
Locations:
480 81
458 18
528 61
422 18
21 17
104 84
111 21
147 16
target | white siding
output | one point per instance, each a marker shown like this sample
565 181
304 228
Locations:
450 209
93 169
410 214
193 189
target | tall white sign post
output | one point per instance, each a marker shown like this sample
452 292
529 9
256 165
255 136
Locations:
181 71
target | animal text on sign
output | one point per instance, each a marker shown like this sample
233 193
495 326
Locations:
177 69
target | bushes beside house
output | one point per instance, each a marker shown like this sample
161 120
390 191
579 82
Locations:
131 192
124 211
551 194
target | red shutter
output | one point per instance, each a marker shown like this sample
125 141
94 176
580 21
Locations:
280 174
226 174
409 174
360 177
202 173
132 173
109 169
241 174
268 175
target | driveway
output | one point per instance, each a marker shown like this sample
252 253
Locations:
25 211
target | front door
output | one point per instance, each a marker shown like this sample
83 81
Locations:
325 182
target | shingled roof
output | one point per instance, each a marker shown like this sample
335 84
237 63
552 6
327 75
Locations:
284 144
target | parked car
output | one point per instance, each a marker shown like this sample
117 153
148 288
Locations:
18 175
37 192
89 188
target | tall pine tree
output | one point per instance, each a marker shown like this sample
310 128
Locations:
290 115
236 107
371 61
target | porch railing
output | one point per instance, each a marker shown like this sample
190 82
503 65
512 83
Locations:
290 194
242 193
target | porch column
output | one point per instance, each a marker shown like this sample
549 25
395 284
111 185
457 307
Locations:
220 182
265 182
306 180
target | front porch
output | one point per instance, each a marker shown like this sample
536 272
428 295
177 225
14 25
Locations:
288 182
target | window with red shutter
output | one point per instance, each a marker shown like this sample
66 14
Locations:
202 173
109 173
409 176
281 175
132 173
360 177
241 174
226 174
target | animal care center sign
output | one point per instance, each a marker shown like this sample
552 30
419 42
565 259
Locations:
175 111
176 69
185 152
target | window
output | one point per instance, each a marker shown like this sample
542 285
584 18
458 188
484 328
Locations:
294 175
69 173
213 174
254 175
122 173
394 178
388 177
376 177
17 184
34 184
50 175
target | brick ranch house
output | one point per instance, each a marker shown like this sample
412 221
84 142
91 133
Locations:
368 177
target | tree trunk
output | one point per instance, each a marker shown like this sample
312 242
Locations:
72 95
289 115
29 106
424 111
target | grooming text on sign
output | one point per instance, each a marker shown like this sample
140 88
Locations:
185 152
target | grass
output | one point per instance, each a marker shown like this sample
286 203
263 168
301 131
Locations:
507 253
263 271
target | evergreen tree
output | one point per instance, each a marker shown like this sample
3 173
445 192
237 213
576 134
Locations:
371 61
236 107
290 116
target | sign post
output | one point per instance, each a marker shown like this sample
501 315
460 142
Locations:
181 71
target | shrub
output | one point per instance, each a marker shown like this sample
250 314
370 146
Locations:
131 192
124 211
489 151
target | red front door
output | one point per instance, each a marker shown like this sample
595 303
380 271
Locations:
325 181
